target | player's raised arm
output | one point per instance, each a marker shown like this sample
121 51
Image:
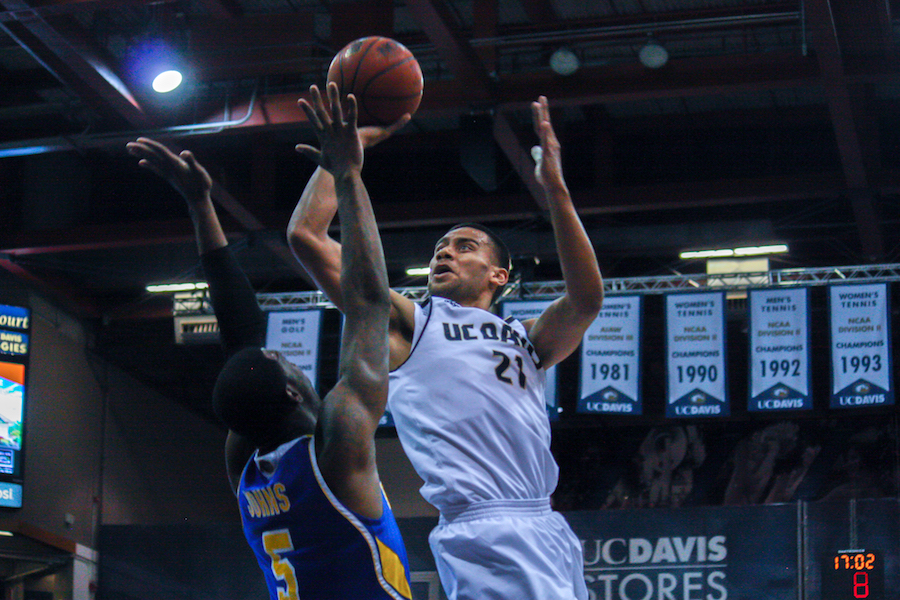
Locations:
351 411
558 331
241 321
191 180
320 254
307 231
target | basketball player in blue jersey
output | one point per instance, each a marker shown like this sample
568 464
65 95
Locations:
467 391
303 469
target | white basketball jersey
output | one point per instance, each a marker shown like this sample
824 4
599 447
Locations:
469 408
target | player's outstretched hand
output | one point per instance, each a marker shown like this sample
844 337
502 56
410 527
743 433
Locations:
182 170
341 148
548 162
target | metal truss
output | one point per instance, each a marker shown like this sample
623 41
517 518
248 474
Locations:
194 303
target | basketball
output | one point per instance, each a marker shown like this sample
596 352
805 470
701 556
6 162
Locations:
384 76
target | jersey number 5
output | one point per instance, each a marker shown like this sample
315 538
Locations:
276 543
504 365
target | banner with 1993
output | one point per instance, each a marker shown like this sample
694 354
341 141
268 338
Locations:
861 368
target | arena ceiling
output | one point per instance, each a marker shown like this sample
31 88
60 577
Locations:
770 122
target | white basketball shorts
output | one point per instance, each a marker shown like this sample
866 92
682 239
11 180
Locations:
508 550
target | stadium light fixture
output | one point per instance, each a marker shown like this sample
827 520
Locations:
164 288
727 252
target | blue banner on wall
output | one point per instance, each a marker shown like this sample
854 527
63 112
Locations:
296 335
611 359
695 355
861 358
779 350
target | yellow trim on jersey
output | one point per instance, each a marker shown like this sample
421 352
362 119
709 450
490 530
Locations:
393 570
391 575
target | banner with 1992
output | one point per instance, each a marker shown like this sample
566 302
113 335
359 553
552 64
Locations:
861 367
779 350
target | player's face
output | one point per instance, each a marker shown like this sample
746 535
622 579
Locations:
464 266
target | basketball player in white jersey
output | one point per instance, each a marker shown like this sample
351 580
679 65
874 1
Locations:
467 391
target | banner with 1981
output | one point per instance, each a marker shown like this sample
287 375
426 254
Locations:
779 350
695 355
522 310
861 371
611 359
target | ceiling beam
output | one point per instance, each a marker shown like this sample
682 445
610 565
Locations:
60 7
608 200
70 57
539 11
839 99
62 291
437 22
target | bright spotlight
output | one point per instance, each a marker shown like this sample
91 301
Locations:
167 81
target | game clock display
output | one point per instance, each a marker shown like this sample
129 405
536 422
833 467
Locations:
853 575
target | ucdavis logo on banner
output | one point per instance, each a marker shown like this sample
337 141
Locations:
695 355
611 359
532 309
709 553
861 368
779 350
296 335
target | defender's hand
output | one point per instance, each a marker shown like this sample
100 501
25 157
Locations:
182 170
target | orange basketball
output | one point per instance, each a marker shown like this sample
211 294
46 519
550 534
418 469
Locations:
384 76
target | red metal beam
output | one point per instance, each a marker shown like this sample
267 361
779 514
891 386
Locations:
60 292
68 55
606 200
436 21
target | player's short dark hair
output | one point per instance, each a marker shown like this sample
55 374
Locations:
501 252
250 395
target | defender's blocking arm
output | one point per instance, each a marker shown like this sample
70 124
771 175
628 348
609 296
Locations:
351 411
241 322
320 254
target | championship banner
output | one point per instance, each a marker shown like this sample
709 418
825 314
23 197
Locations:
861 367
296 335
695 355
611 359
523 310
780 377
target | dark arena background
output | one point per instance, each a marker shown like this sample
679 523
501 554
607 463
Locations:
698 459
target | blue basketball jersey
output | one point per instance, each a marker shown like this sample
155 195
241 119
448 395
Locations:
308 544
